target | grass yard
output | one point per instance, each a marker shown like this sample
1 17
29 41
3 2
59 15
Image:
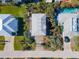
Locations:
20 44
2 43
75 43
75 1
14 10
17 44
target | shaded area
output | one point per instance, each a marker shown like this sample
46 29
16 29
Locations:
57 11
48 26
18 3
20 26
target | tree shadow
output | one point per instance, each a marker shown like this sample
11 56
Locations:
20 26
48 26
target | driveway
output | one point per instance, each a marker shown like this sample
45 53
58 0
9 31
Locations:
9 44
39 40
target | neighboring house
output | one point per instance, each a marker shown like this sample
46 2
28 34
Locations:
48 1
70 23
62 0
16 1
38 24
8 25
25 1
4 1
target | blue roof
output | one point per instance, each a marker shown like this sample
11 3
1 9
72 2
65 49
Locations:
3 16
13 24
7 30
10 24
6 19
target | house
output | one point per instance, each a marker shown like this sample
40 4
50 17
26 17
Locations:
57 0
19 1
38 24
62 0
26 1
69 22
4 1
48 1
16 1
8 25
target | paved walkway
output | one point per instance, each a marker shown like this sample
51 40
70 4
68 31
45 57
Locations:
67 46
9 44
39 40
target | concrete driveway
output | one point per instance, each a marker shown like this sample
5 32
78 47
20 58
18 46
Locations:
9 44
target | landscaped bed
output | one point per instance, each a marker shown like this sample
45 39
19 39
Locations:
12 58
2 42
21 43
53 43
75 43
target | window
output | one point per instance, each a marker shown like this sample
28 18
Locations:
77 24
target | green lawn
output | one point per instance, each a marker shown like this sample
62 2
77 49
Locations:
2 44
14 10
76 43
19 44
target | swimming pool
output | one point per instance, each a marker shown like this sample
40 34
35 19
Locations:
70 10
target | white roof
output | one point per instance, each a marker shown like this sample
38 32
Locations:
62 17
68 21
57 0
38 24
48 1
0 24
62 0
